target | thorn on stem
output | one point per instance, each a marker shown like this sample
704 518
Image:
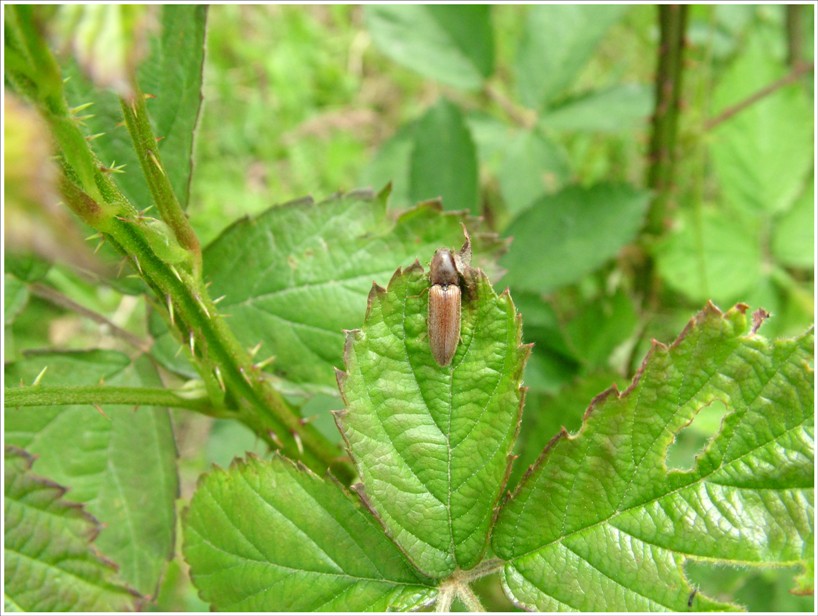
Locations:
39 377
217 371
299 445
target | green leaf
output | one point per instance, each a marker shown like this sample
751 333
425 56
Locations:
431 443
444 159
533 166
50 559
715 256
565 236
270 536
761 155
453 44
793 239
111 463
599 327
108 41
602 511
172 75
616 109
547 413
15 298
391 165
306 270
557 42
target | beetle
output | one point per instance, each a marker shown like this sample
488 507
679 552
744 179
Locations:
447 270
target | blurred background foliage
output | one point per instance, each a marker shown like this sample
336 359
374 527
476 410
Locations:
537 118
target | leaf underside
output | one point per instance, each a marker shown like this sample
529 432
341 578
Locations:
50 561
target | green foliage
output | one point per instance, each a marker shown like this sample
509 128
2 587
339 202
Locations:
526 127
121 466
431 443
308 287
450 43
565 236
316 549
49 541
602 508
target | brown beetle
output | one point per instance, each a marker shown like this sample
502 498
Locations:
446 271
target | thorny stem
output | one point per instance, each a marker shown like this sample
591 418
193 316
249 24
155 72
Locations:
226 368
40 395
662 148
136 119
665 123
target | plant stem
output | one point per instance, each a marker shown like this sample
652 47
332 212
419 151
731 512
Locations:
662 149
786 80
139 127
795 31
664 128
40 395
58 299
226 368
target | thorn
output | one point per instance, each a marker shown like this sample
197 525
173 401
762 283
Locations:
138 266
298 443
158 139
263 364
78 108
218 299
254 350
208 283
155 161
218 373
96 236
305 420
201 304
192 342
101 412
122 263
276 441
175 273
181 346
148 96
94 137
170 309
39 377
114 168
244 374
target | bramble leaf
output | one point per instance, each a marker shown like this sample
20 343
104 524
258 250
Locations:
566 235
172 75
111 462
557 43
432 443
272 536
601 523
298 274
50 560
453 44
